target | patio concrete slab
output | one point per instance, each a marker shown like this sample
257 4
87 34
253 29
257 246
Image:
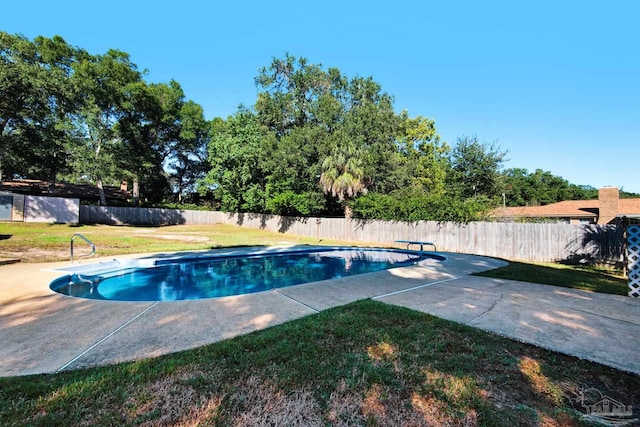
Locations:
43 332
332 293
167 327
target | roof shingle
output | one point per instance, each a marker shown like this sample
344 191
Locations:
567 208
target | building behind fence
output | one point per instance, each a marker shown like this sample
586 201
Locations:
21 208
542 242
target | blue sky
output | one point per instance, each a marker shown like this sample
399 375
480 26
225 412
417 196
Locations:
554 83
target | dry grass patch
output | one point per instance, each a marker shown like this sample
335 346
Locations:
262 403
171 401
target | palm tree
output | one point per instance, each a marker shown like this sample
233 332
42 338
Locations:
342 175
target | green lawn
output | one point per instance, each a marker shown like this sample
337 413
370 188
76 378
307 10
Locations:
577 277
35 242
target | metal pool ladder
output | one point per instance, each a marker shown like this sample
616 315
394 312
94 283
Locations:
93 247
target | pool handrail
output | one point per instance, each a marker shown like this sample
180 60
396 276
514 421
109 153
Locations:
93 246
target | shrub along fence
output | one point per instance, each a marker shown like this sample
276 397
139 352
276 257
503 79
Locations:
542 242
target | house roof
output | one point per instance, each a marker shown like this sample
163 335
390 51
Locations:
629 207
80 191
568 209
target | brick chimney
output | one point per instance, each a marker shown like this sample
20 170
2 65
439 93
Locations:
608 198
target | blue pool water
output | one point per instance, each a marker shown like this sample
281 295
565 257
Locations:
197 278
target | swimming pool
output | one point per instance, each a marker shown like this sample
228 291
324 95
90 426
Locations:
201 277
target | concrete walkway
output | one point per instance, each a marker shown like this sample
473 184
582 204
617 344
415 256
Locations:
44 332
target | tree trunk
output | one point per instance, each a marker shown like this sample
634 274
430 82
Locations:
347 211
136 192
52 185
103 197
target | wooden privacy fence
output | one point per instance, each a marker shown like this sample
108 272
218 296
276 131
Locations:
513 241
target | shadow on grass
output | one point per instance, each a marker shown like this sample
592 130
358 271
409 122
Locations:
585 278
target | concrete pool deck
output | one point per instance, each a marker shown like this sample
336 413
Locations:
45 332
